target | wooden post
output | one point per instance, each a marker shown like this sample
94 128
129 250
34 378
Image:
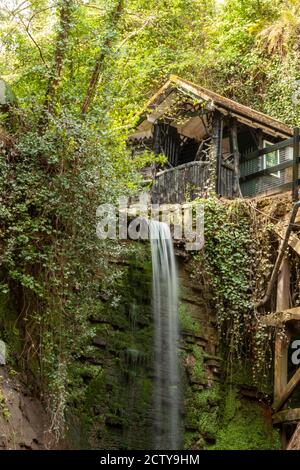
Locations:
260 141
281 344
295 164
217 134
236 156
156 138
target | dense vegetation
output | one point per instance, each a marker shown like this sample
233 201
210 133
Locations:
82 71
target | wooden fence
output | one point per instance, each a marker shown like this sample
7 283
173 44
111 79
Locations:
181 183
260 176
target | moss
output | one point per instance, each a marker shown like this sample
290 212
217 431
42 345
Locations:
222 420
201 417
207 398
114 405
198 372
231 404
4 411
243 425
209 424
187 323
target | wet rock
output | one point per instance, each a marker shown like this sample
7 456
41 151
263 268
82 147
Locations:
99 341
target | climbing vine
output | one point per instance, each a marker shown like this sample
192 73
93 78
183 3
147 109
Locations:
236 263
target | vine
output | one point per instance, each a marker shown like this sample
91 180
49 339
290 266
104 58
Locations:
51 260
236 264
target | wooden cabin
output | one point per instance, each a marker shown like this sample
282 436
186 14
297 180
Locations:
212 142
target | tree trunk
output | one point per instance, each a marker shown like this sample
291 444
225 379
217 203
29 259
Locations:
114 18
65 16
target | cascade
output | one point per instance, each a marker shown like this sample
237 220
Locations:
166 337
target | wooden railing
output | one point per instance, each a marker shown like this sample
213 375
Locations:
181 183
276 177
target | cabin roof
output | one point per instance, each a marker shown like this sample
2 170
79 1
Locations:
162 101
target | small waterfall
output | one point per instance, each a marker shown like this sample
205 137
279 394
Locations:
166 333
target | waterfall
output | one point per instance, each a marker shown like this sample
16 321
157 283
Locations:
166 336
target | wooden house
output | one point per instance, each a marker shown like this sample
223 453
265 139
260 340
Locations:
212 142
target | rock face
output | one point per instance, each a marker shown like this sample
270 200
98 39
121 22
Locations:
23 421
111 404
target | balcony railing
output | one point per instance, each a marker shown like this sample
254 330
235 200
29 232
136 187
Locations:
258 174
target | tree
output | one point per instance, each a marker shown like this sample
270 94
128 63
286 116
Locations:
66 8
105 49
282 34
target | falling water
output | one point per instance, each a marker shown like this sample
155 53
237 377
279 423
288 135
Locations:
166 333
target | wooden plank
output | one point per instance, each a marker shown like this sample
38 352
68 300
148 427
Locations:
294 443
156 139
278 318
282 341
217 143
236 155
286 416
281 349
267 171
288 391
280 145
293 242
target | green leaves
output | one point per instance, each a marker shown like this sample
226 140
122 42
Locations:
227 264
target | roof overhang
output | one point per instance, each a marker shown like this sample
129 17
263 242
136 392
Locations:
163 101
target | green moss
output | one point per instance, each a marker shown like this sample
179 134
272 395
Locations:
221 420
209 424
187 323
207 398
242 425
114 404
231 404
201 417
198 372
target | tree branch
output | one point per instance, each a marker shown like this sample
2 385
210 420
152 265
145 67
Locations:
65 16
90 93
34 41
136 32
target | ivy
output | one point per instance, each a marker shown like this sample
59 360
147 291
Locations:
226 264
235 266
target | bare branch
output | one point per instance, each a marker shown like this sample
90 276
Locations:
136 32
34 41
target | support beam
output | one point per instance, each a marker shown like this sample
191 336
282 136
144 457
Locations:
278 319
294 443
157 138
288 391
217 135
281 343
236 156
294 241
287 416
